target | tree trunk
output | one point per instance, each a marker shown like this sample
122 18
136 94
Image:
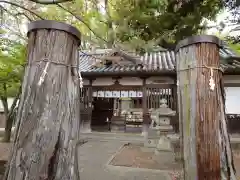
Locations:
10 117
8 130
46 136
110 26
4 99
207 151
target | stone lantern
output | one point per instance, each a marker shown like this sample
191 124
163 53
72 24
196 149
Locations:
157 135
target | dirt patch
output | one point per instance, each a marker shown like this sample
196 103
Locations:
5 149
133 156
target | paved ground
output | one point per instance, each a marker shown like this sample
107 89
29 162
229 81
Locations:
95 155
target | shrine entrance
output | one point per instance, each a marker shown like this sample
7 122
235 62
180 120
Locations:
102 113
119 107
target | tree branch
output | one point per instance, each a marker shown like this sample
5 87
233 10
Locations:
16 33
3 98
15 15
49 1
17 5
80 19
11 111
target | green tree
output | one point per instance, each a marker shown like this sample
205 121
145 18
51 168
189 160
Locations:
12 57
162 21
132 24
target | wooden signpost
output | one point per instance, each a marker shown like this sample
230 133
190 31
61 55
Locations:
206 147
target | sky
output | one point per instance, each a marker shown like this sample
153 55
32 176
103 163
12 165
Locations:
222 16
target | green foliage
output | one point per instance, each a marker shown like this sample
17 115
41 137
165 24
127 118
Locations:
138 24
160 20
12 58
235 47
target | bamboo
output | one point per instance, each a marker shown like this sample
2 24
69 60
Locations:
206 145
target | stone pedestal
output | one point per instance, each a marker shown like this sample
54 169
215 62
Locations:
118 124
164 150
152 138
157 134
145 131
86 127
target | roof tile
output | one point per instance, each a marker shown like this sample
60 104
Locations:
154 62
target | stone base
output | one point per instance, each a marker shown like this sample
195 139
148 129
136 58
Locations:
86 128
164 144
145 130
144 134
152 139
151 143
164 157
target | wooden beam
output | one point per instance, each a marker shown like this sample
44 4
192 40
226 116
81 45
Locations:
205 136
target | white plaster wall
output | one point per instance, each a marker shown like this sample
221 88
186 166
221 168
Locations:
131 81
10 101
103 82
231 79
232 100
159 80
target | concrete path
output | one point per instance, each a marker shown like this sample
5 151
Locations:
95 155
137 137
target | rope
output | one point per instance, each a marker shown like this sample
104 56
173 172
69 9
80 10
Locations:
204 66
53 62
211 80
42 77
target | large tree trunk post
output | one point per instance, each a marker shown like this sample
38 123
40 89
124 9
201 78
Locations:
207 151
47 132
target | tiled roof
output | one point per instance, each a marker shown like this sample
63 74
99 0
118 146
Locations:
162 61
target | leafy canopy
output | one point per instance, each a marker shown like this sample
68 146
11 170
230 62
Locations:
12 58
164 21
140 23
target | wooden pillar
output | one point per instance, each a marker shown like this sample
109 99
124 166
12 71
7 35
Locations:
47 129
201 108
90 106
175 106
144 108
87 107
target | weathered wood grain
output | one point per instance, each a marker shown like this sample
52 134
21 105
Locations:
206 144
49 114
187 106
